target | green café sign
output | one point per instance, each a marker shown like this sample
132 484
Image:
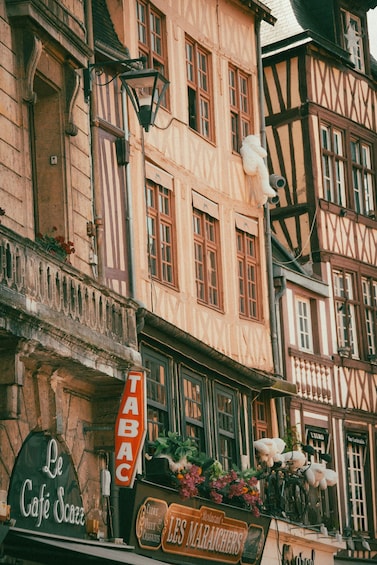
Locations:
44 493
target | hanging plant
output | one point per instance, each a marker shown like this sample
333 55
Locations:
55 244
193 473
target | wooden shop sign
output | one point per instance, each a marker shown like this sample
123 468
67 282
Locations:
44 493
130 429
204 533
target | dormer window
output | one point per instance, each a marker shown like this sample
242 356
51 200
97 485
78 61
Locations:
353 38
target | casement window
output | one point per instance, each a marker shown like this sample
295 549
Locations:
193 400
240 106
369 292
318 439
357 485
199 89
346 311
160 225
304 325
362 177
348 164
333 165
152 38
319 500
353 38
189 412
225 409
248 268
261 418
207 251
158 378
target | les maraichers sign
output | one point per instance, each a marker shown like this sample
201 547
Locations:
202 533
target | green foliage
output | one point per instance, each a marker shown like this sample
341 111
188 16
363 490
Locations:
291 439
176 447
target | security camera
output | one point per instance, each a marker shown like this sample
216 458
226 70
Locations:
276 181
274 199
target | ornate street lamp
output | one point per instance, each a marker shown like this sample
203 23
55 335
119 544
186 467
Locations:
145 87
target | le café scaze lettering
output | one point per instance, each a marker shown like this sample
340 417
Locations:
47 501
44 492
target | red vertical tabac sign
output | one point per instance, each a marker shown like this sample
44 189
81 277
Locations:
130 429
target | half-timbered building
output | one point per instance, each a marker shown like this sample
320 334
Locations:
129 259
320 123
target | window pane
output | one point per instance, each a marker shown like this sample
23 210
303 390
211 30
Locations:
333 160
193 407
346 311
157 394
304 325
239 99
356 482
199 95
206 251
248 275
225 405
160 232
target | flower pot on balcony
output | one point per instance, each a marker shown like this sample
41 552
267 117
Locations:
157 470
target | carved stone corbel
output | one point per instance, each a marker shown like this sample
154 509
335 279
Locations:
32 53
72 85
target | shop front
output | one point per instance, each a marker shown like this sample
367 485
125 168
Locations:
164 527
292 544
46 521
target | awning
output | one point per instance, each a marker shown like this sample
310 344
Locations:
281 388
47 548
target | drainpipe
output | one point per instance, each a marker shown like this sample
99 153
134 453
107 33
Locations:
129 208
95 163
267 234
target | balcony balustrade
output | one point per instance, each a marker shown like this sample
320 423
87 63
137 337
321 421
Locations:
312 376
56 295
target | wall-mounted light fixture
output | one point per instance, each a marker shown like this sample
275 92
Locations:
145 87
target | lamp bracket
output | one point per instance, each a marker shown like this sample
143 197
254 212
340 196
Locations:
129 64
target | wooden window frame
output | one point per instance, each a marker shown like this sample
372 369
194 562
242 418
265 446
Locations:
356 454
347 310
369 294
199 89
160 404
152 39
363 175
207 259
225 436
356 49
161 251
349 173
240 106
261 415
192 424
334 165
304 324
249 285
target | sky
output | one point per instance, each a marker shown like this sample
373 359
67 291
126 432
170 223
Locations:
372 28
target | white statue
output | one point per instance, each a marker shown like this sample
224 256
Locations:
253 155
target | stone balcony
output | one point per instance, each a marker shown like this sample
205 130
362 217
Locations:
313 376
61 315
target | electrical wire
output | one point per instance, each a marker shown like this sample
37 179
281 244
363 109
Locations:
282 263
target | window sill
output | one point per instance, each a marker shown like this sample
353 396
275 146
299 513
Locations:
313 357
333 208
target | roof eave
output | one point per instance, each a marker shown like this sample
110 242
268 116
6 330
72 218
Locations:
303 38
260 10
